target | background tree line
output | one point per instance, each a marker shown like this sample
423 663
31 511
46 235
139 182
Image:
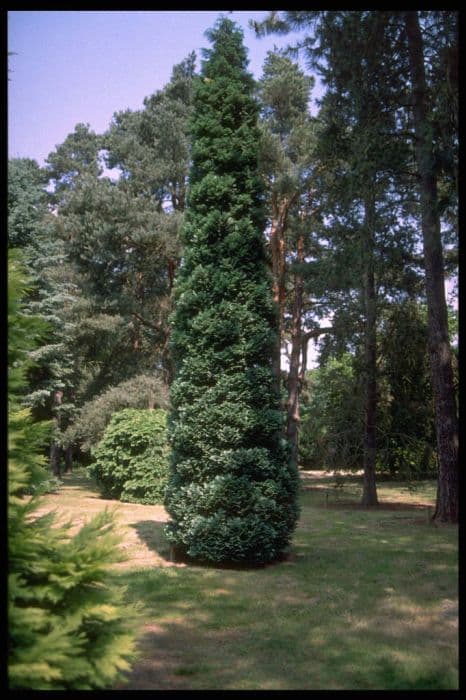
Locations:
361 203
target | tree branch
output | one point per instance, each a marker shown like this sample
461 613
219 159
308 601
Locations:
319 331
147 323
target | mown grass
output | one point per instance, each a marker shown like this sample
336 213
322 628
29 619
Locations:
367 600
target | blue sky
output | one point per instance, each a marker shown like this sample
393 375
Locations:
82 66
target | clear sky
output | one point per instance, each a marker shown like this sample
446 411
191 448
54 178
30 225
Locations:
82 66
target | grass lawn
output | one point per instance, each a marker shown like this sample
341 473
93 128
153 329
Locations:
368 598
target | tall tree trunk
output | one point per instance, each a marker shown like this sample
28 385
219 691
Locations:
69 459
171 270
55 456
294 381
446 420
55 449
279 216
369 494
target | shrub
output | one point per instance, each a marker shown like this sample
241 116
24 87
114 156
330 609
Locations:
141 391
51 485
332 417
131 460
68 625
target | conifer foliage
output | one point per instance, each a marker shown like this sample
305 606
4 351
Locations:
68 624
232 494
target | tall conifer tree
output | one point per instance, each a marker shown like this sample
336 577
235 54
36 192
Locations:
419 88
447 506
232 494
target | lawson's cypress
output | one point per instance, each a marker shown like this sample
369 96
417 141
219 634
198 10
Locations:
232 493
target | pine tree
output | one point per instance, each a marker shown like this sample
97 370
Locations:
289 166
232 492
420 91
31 227
447 506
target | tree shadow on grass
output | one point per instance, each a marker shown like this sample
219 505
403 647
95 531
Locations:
384 505
165 662
332 499
269 652
151 532
292 630
396 678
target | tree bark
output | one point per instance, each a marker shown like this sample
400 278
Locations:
55 449
446 420
279 216
369 494
171 270
294 382
55 455
69 459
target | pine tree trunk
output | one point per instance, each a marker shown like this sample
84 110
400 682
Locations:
294 382
446 421
69 460
279 217
55 449
369 494
55 455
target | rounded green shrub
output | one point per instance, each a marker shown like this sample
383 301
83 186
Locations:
131 460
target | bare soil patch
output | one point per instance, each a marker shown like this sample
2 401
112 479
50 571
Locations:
140 526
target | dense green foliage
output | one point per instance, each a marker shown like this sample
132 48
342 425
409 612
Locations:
407 441
232 494
332 407
388 198
141 391
335 199
69 627
27 202
25 438
54 298
131 460
103 253
332 416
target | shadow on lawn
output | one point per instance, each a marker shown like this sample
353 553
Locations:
342 502
151 532
358 599
163 663
211 630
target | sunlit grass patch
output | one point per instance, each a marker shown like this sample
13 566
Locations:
367 600
352 610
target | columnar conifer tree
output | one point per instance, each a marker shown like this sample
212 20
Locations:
232 494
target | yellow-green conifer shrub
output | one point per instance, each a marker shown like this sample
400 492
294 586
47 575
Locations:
68 625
